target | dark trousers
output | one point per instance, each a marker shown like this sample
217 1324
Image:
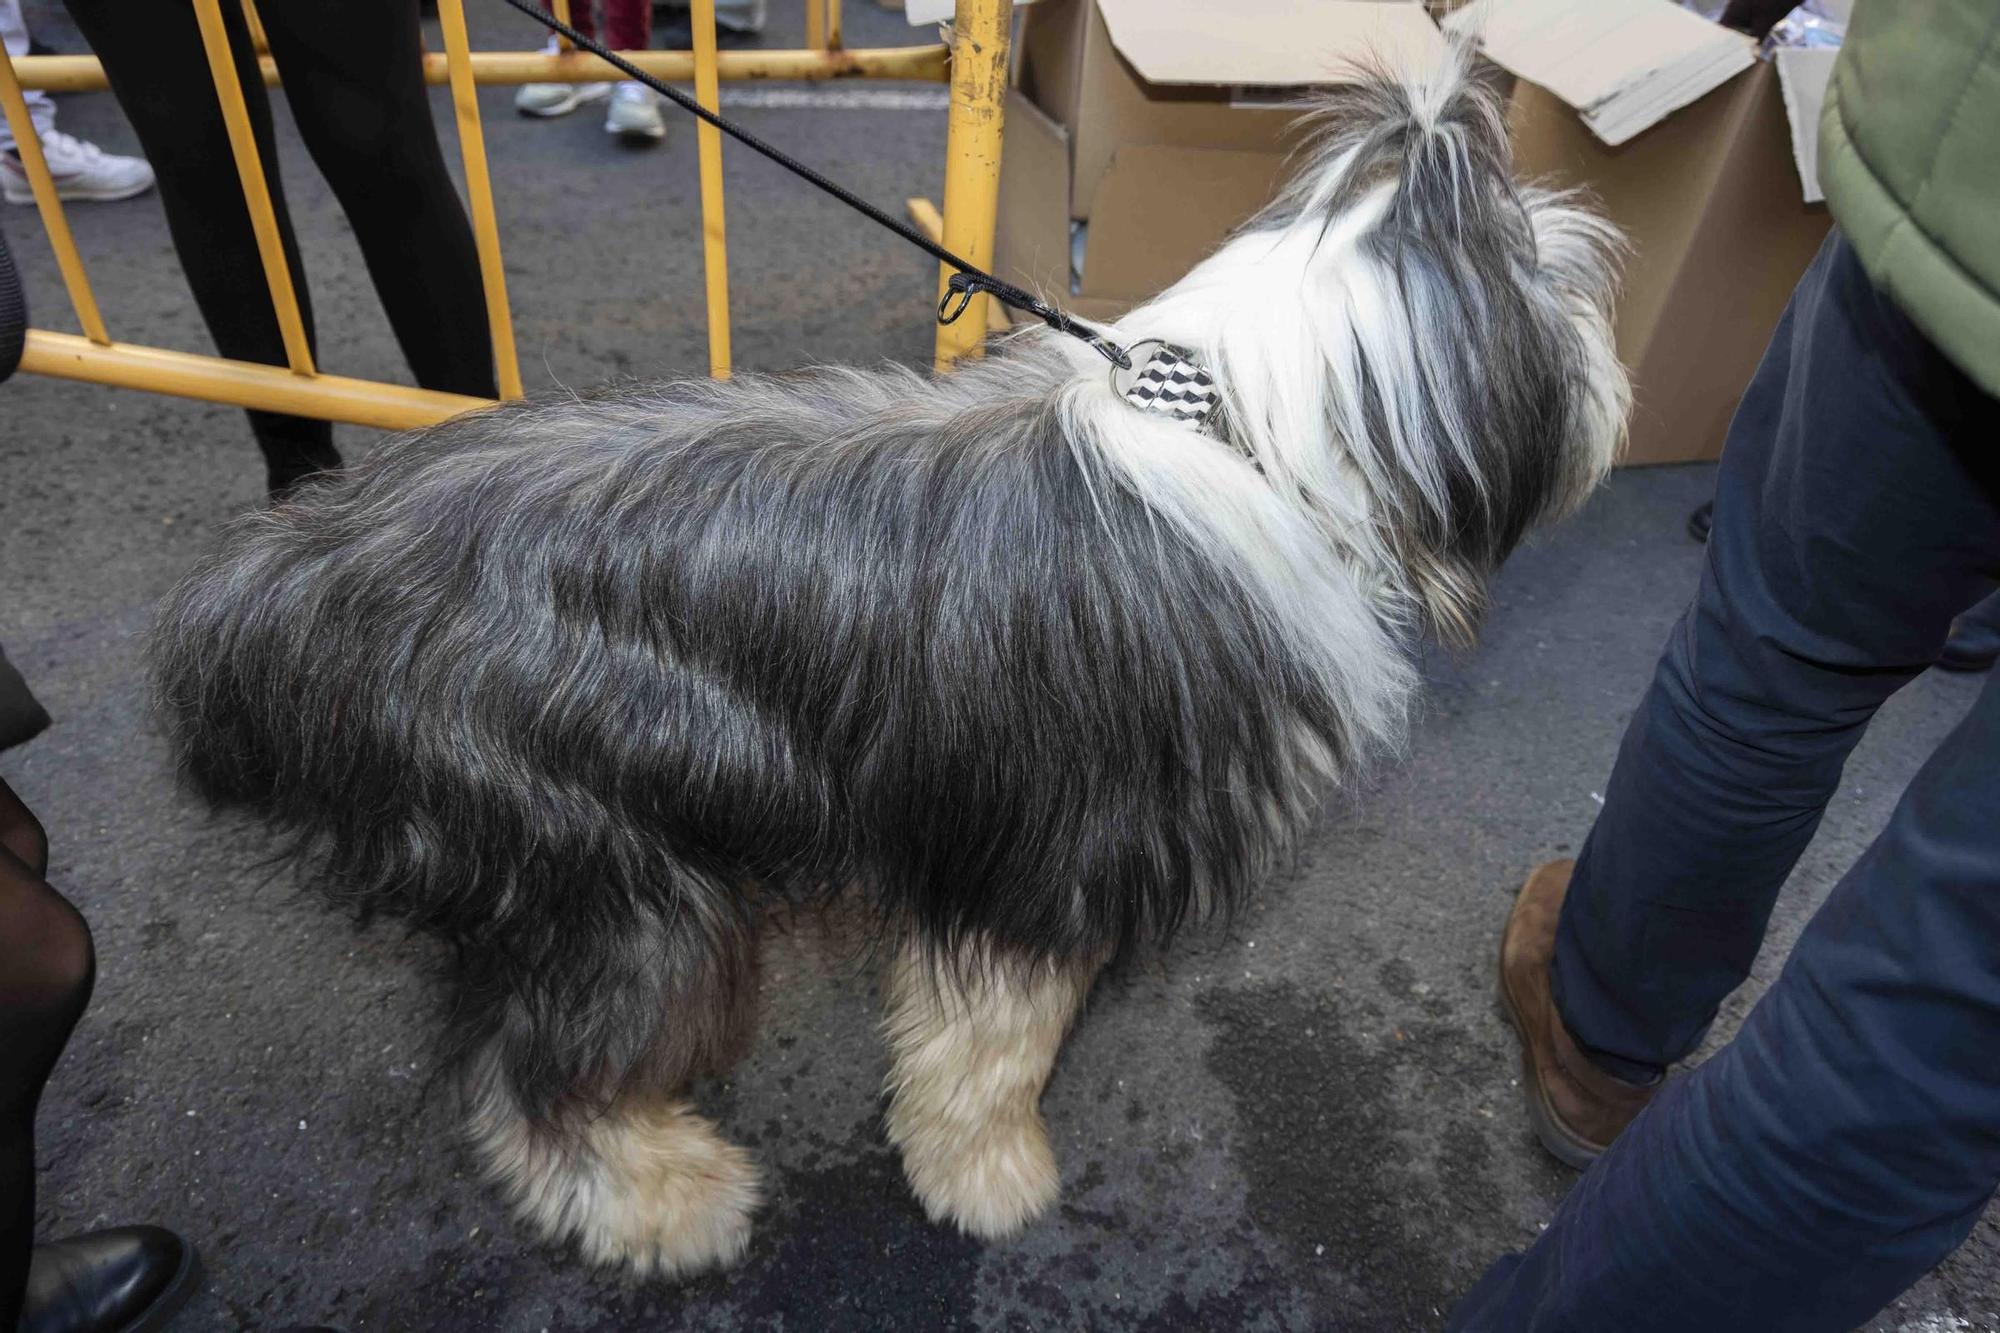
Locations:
1849 1137
353 75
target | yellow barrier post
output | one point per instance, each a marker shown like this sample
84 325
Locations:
479 185
979 35
708 144
256 190
29 146
255 22
823 25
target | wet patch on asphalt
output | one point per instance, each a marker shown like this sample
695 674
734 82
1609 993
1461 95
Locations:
1345 1157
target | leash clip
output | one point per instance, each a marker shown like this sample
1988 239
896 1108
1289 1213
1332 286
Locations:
961 287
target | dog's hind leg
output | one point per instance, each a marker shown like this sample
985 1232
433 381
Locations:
974 1038
615 1158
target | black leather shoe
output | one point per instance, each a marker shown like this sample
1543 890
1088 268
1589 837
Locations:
122 1280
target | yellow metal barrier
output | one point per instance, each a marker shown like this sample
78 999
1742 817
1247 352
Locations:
920 64
972 158
823 25
29 145
975 64
216 379
259 43
708 143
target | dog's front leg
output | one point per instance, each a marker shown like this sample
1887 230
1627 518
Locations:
974 1037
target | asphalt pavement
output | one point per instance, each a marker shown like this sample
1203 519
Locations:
1309 1121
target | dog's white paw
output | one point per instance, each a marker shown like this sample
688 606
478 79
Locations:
990 1184
672 1203
651 1187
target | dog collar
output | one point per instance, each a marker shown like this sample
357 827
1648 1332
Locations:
1168 383
1171 383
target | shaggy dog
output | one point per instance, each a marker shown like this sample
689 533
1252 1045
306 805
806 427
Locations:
574 686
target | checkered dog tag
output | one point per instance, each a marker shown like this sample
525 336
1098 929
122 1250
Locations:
1173 384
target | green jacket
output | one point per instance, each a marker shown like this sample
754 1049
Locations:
1909 156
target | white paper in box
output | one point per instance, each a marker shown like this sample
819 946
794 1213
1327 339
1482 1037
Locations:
1625 65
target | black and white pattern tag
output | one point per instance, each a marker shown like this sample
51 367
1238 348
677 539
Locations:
1174 385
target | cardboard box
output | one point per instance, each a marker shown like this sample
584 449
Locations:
1709 193
1720 234
1161 124
1195 74
1160 209
1150 125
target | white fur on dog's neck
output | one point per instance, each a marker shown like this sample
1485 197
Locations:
1328 378
1270 315
1293 519
1323 604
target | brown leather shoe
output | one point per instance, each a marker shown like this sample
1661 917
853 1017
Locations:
1576 1107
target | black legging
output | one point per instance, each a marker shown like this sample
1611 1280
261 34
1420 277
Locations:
46 970
353 75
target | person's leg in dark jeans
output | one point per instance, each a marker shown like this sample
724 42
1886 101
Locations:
360 104
1857 512
1845 1141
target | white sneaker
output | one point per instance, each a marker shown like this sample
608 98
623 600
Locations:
81 171
557 99
635 114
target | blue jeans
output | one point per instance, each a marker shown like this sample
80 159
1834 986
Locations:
1849 1137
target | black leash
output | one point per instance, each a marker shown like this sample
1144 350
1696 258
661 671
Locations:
960 288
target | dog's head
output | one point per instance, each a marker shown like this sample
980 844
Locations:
1412 343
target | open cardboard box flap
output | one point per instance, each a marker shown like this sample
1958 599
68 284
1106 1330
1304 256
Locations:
1276 43
1588 52
1624 66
